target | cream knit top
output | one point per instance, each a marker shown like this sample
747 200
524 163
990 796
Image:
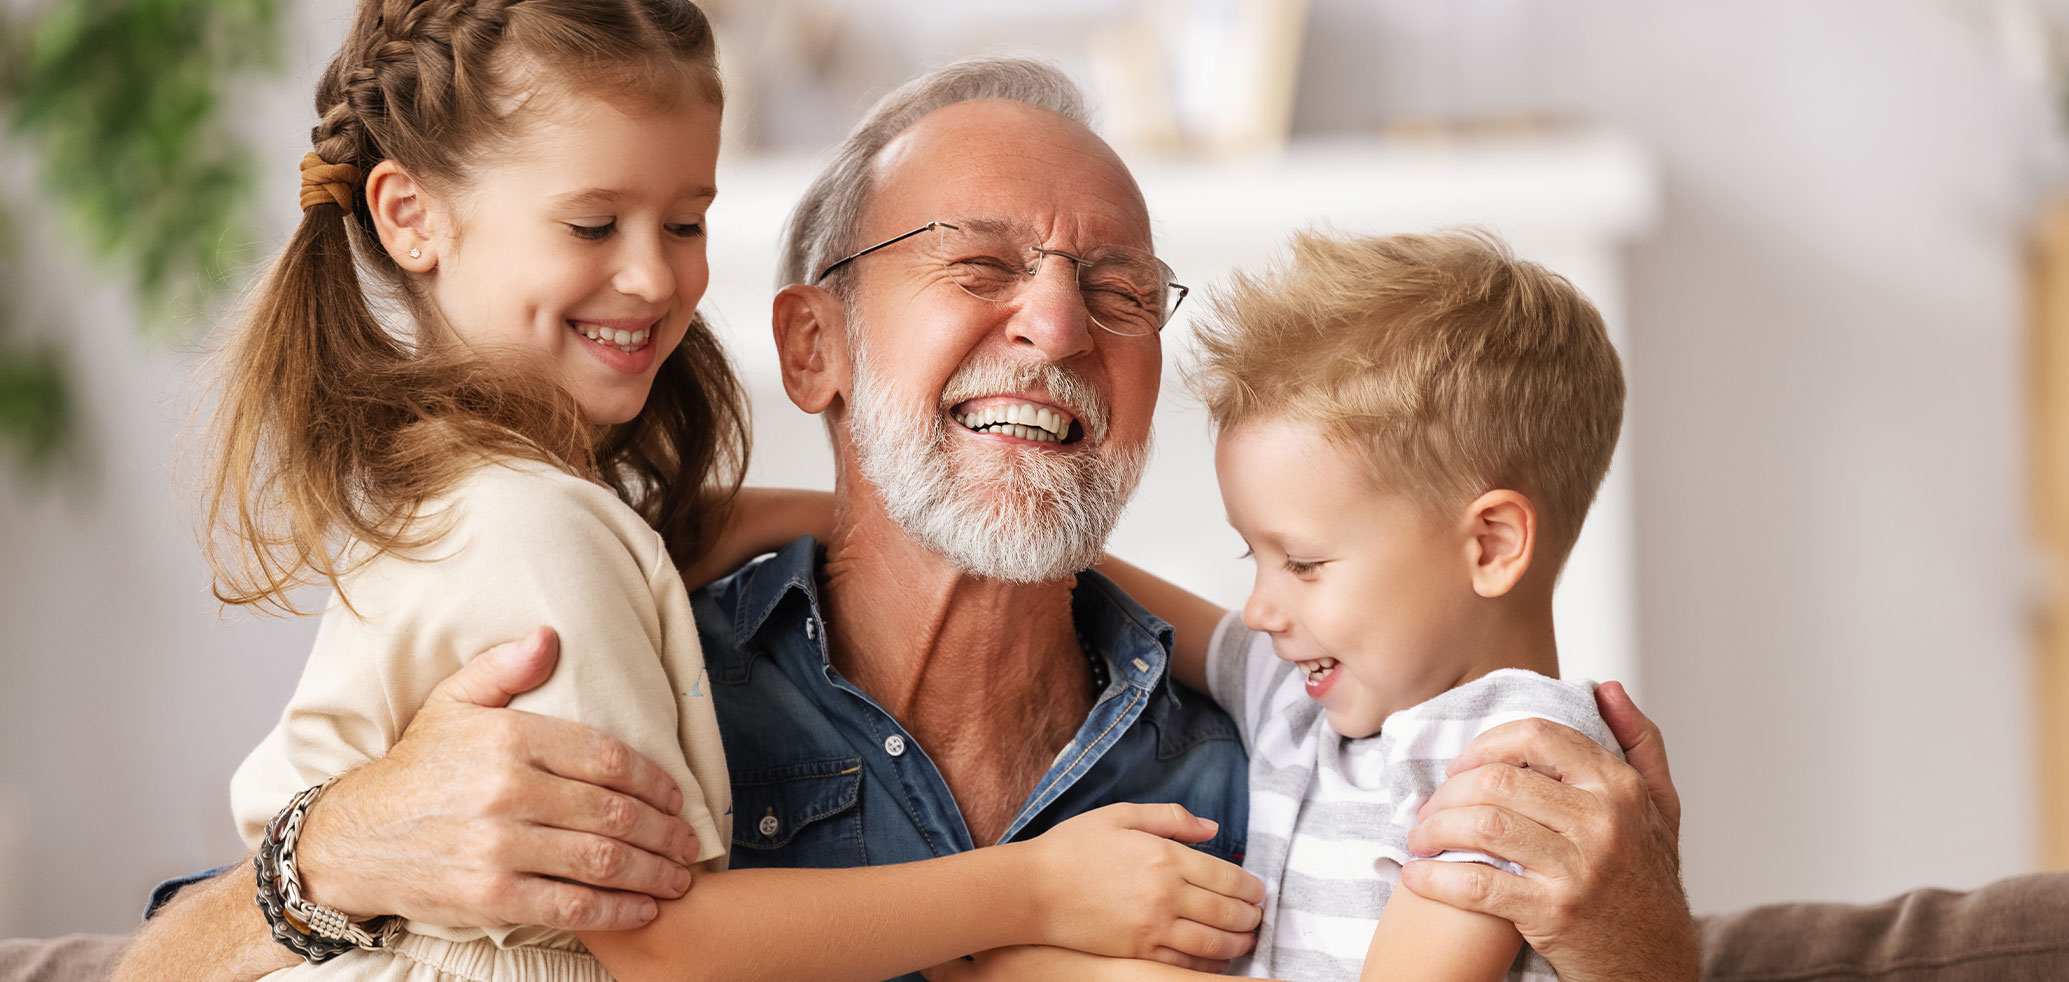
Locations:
525 544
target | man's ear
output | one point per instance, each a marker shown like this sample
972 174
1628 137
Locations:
812 346
1502 539
404 217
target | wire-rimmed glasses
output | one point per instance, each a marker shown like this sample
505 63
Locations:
1127 291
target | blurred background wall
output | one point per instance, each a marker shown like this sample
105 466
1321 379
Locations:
1816 276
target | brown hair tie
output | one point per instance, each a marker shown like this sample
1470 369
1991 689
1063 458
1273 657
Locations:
323 182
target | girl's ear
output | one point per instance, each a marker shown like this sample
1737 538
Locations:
1502 538
403 216
812 346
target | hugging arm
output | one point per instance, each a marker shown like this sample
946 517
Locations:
1598 839
761 520
1192 617
1178 904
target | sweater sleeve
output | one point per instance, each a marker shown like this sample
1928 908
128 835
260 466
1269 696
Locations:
523 546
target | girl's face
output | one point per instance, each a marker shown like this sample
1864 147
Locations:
583 247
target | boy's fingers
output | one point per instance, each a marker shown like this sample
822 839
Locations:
1555 804
1222 877
1211 966
1219 912
1202 941
1168 820
1473 886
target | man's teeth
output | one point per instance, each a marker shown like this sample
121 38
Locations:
627 341
1024 421
1317 668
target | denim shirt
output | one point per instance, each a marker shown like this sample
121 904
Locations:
823 776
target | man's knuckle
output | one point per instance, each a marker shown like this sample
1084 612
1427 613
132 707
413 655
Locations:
619 818
604 860
1490 824
613 759
577 907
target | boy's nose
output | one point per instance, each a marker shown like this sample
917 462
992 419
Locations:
1260 614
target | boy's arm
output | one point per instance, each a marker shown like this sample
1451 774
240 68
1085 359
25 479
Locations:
876 922
760 520
1192 617
1421 939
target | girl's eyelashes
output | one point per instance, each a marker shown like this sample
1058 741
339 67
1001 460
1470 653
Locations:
596 233
1248 554
1301 567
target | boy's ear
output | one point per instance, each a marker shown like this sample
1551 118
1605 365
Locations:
404 217
811 346
1502 539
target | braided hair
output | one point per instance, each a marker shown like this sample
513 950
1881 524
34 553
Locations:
334 428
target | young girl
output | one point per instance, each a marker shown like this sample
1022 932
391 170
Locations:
540 423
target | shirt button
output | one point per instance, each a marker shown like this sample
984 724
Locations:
769 825
894 745
811 628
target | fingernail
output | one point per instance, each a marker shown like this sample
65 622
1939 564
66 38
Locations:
1210 825
675 801
644 908
682 881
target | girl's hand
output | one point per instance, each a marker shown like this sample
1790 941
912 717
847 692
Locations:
1119 881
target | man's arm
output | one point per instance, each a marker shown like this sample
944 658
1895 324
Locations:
1598 838
478 815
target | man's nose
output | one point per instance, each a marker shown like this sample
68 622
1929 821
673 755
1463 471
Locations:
1052 315
644 273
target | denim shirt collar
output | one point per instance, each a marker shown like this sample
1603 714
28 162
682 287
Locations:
1135 643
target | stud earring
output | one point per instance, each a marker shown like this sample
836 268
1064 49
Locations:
416 253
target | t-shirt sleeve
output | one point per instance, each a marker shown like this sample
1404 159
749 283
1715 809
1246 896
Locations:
1418 743
522 548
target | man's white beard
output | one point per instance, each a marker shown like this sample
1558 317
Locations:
1019 514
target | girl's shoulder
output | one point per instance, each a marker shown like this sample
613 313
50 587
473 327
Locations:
516 510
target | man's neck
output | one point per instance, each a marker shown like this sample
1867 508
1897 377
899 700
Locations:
988 675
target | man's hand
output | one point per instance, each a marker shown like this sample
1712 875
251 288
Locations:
481 815
1119 881
1598 839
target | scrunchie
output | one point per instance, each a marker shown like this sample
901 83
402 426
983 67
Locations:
323 182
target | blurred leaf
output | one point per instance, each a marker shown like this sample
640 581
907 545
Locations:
121 101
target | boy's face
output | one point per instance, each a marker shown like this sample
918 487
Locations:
1369 593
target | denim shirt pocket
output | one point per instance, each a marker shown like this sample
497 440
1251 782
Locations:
804 815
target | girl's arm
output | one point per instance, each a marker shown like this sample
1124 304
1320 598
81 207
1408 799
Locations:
761 520
1192 617
1422 939
876 922
1033 963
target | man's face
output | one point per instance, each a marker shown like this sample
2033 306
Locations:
1004 435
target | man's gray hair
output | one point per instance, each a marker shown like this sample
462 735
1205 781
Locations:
828 217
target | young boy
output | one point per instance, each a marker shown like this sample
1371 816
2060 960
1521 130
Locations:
1411 430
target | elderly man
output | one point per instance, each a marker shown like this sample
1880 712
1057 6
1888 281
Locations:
944 675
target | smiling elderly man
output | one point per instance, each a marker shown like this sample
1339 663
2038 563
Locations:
944 675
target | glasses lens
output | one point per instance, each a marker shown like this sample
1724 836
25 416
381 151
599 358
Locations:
1125 291
989 263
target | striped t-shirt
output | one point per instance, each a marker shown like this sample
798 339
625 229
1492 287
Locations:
1329 816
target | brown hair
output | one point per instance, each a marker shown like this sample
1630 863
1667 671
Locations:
330 427
1454 367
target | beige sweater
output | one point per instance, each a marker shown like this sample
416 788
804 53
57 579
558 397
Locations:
526 545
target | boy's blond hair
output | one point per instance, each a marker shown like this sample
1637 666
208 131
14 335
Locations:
1452 366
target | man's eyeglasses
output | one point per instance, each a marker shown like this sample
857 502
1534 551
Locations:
1126 291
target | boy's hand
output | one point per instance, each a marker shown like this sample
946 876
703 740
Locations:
1119 881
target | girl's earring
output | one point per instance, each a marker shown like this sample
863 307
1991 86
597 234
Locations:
416 253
